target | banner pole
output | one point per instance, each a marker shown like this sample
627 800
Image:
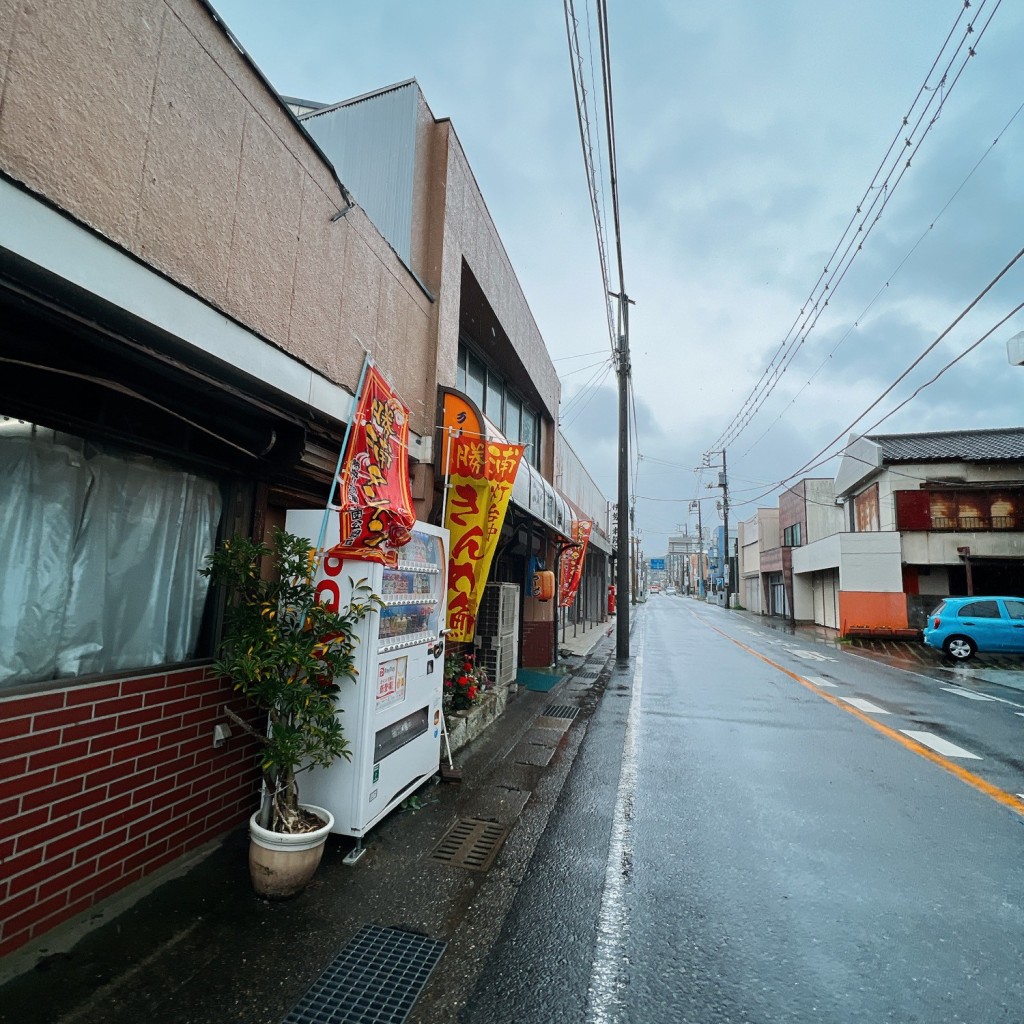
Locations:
447 471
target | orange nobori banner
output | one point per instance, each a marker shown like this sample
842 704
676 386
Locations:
572 562
376 505
481 475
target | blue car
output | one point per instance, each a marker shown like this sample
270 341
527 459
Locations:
962 626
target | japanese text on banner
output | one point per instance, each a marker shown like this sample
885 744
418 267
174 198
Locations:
376 505
480 487
572 562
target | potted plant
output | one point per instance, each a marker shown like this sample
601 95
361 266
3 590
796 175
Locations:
285 652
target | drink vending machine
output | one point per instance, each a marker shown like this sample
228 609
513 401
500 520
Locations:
392 712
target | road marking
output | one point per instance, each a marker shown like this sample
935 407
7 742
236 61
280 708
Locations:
606 995
865 705
818 681
939 745
969 778
809 655
969 694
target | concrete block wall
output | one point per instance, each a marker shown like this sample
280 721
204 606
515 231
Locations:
102 784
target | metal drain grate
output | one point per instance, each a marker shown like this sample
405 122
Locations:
471 843
588 673
560 711
375 979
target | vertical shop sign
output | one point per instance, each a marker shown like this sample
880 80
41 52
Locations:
480 481
572 562
376 504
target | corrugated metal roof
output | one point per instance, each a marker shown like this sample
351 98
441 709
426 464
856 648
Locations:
371 142
959 445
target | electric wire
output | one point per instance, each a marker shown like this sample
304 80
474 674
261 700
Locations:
824 455
830 278
882 289
583 120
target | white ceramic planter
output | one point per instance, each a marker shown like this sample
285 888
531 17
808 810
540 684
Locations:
281 864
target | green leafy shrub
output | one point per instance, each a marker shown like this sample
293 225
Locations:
286 653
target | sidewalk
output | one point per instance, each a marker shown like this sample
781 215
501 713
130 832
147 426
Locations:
202 949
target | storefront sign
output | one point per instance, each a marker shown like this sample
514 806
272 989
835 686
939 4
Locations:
376 504
572 562
480 484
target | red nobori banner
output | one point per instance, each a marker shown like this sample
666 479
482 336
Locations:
481 485
376 504
572 562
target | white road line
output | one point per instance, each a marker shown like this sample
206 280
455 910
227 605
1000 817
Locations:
818 681
969 694
865 705
606 995
939 745
806 655
1021 713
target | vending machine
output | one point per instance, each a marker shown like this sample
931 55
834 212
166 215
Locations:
392 713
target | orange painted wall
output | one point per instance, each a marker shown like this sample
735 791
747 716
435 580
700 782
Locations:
871 610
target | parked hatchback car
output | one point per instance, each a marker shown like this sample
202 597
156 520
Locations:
962 626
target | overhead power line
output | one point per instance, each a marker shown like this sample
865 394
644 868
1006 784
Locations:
868 211
884 287
825 454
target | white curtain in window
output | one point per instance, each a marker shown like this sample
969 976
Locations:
43 488
107 579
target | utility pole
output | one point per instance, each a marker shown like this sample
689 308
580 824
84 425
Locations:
700 549
723 482
622 560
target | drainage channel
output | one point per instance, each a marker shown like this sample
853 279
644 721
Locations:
471 843
561 711
375 979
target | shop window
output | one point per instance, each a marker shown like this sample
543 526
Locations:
500 403
530 436
476 376
99 558
513 417
495 393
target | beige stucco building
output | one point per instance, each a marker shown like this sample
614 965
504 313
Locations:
188 287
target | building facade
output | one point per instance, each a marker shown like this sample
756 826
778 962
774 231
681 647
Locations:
188 290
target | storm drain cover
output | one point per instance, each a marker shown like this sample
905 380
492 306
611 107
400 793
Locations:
471 843
588 673
561 711
376 978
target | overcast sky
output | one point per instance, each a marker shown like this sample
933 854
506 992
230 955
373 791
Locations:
747 135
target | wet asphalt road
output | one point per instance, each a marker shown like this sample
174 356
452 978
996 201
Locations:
735 845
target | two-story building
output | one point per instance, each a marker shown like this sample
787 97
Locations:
924 516
758 533
188 289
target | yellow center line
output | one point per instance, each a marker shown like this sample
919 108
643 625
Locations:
1000 796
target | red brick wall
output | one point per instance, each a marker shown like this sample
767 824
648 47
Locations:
538 644
100 784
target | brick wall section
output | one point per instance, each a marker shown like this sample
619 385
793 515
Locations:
102 784
538 644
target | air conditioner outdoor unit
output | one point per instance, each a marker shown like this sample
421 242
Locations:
497 632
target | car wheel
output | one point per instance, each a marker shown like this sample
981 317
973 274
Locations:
960 648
